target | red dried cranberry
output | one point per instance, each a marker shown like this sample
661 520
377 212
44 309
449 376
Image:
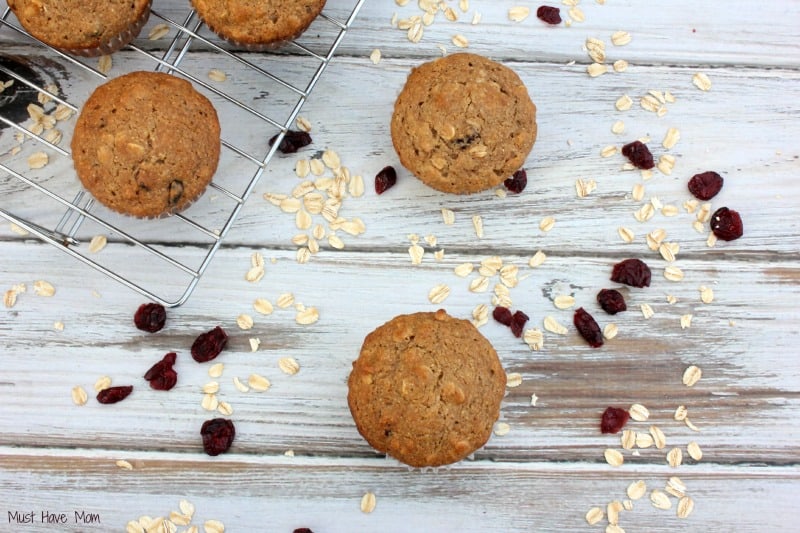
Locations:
588 328
292 141
611 300
518 322
161 375
633 272
517 182
385 179
548 14
209 345
613 419
217 435
639 154
727 224
302 530
114 394
706 185
503 315
150 317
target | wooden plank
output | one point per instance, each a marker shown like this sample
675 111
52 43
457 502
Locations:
745 363
324 495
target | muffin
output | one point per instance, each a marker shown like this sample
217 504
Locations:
258 24
426 389
83 27
463 123
146 144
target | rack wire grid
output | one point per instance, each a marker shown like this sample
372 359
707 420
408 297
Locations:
264 102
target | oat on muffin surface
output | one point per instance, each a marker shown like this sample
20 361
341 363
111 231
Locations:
146 144
426 389
463 123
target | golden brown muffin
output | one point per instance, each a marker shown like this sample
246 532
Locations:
258 24
146 144
463 123
426 389
83 27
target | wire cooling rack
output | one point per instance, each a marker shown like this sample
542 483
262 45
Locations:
49 202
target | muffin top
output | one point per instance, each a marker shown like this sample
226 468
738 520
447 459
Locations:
78 24
258 21
146 144
463 123
426 389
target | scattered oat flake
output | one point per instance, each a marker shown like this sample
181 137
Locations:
533 338
681 413
534 399
438 294
501 428
552 325
375 56
307 316
636 490
10 298
37 160
658 437
448 216
647 311
701 81
368 502
216 74
547 223
255 342
644 440
209 402
258 382
518 13
241 387
626 234
686 321
288 365
513 379
58 326
691 375
537 259
122 463
213 526
79 396
620 38
460 41
613 457
244 321
610 331
627 439
158 31
43 288
623 103
675 457
104 64
477 224
594 515
685 507
706 294
660 500
671 138
694 451
564 301
102 383
620 65
416 252
285 300
596 69
97 243
215 370
639 412
673 273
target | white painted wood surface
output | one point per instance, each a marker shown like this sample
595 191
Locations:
548 471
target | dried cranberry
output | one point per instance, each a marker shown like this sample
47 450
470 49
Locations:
114 394
150 317
292 141
613 419
639 154
518 322
727 224
611 300
302 530
548 14
209 345
217 435
517 182
706 185
161 375
385 179
633 272
588 328
503 315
